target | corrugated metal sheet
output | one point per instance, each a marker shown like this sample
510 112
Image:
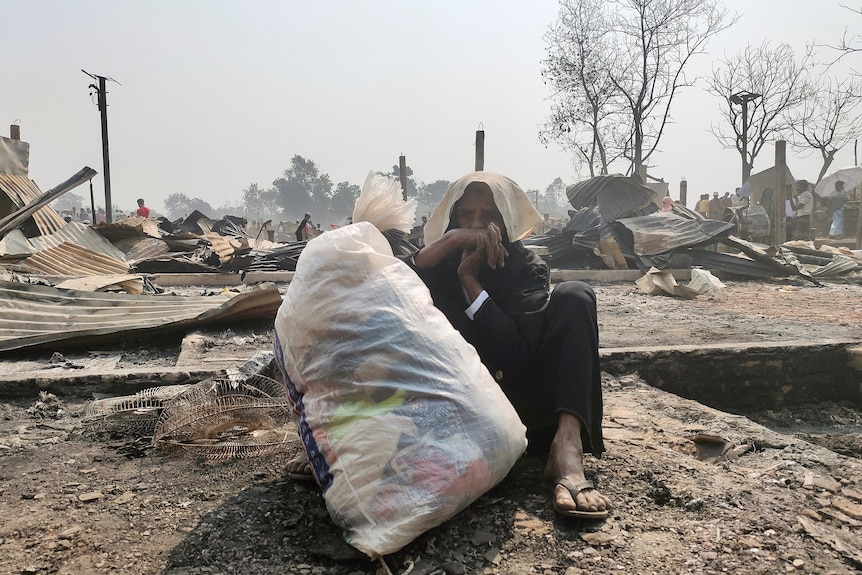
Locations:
616 196
18 217
196 223
737 264
128 283
139 249
130 227
781 266
838 265
561 253
15 245
82 235
32 315
663 231
283 257
226 246
173 264
22 191
69 259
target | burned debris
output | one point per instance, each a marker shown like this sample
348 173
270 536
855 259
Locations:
67 284
616 223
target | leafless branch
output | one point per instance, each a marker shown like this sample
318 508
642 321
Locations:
616 67
779 81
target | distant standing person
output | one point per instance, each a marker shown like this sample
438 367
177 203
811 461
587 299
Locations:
301 231
703 205
716 207
143 211
767 202
835 207
667 204
802 203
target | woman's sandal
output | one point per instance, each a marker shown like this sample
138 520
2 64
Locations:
574 489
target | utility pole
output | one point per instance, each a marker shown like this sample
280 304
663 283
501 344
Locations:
743 98
102 101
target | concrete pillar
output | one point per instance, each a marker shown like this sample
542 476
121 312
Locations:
480 150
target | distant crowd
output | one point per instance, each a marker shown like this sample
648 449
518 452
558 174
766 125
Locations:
85 215
798 210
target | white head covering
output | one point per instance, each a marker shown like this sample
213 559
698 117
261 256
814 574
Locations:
519 215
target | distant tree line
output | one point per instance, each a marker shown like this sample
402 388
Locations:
303 187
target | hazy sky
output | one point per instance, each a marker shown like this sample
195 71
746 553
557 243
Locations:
215 95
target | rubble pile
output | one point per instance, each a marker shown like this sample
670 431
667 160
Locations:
616 224
68 284
47 265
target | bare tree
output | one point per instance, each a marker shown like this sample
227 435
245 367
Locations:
579 58
829 120
848 43
773 83
659 38
618 66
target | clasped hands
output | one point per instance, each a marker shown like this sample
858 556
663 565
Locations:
480 247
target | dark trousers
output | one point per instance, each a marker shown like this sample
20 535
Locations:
801 228
564 375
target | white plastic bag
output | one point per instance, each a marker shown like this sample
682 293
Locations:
702 281
381 204
402 423
657 282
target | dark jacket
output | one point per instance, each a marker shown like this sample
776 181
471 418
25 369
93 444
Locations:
300 230
520 287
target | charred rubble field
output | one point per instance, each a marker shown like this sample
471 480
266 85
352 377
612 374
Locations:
695 490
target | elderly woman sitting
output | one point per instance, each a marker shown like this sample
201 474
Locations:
540 345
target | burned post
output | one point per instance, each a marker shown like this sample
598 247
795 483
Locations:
480 149
402 172
780 193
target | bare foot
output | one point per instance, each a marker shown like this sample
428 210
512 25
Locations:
567 461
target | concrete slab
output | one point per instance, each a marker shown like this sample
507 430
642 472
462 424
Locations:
86 382
732 377
222 279
610 276
748 376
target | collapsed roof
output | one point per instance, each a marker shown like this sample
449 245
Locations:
616 223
